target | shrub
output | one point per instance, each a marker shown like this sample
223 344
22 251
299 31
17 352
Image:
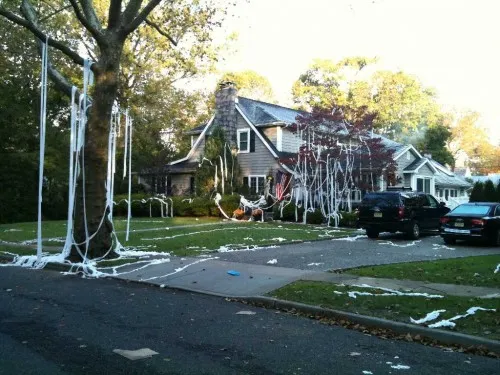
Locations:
477 194
182 206
228 203
489 192
315 217
288 213
201 207
349 219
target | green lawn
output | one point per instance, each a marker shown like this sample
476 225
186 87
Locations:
183 236
475 271
397 308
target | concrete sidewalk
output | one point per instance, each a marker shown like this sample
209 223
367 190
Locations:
209 275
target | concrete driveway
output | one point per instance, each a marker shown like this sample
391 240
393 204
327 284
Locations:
356 251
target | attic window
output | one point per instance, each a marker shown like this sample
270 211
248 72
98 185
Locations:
244 140
408 155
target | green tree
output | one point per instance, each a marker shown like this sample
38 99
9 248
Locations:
19 139
470 140
489 192
107 27
250 84
434 142
403 106
216 150
326 82
477 193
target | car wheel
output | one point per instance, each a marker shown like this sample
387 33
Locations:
372 233
495 240
414 232
449 240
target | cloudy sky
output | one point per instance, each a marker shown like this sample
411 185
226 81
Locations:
451 45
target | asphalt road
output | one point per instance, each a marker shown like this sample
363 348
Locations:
357 251
55 324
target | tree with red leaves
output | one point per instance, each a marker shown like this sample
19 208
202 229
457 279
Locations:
339 156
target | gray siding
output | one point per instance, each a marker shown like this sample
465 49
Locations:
403 162
407 179
425 171
291 141
198 151
258 162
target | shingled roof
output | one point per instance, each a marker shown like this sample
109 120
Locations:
262 113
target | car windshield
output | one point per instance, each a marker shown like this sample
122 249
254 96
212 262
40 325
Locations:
381 199
467 209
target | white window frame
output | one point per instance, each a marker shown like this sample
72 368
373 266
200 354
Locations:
257 176
194 138
248 141
279 138
424 178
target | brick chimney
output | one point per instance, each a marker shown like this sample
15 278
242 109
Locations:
225 110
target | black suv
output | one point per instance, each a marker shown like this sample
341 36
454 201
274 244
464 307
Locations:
400 211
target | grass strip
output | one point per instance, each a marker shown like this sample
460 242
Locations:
185 236
474 271
242 235
397 308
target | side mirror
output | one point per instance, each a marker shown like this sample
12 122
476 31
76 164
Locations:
442 204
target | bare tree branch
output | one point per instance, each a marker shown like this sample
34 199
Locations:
59 80
31 24
54 13
141 17
131 11
94 29
161 32
114 14
88 10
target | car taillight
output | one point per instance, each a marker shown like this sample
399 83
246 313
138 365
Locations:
401 212
479 222
444 220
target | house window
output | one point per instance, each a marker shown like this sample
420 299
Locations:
244 140
256 183
192 185
408 156
424 185
193 140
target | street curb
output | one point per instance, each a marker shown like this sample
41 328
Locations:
442 336
61 267
445 337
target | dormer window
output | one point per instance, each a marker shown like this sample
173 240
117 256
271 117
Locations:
244 140
408 156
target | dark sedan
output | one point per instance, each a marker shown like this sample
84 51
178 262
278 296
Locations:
479 220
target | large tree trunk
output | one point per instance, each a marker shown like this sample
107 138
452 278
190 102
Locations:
96 159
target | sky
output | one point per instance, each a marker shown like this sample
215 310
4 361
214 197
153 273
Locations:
450 45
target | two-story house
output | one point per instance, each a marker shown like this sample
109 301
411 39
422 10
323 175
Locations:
260 134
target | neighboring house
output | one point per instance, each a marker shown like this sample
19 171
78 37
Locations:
261 134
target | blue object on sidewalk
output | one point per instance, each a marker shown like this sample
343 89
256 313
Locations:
233 273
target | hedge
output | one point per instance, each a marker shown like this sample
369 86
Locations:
182 206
